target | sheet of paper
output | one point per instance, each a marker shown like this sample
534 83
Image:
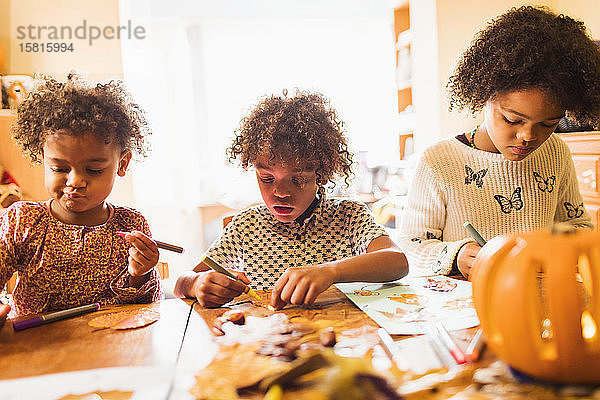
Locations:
400 306
147 383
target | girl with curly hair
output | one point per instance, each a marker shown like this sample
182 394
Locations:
527 69
65 250
299 242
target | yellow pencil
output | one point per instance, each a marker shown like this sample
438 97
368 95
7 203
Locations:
211 263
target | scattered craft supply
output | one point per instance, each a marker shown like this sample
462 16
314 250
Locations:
206 260
282 348
297 369
409 298
327 337
159 244
476 346
440 285
126 319
473 232
236 317
100 395
230 371
54 316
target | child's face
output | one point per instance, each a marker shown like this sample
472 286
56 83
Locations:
79 174
287 191
519 122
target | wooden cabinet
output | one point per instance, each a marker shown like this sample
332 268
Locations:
585 148
29 177
403 60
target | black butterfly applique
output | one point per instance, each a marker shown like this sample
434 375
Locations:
573 211
438 263
544 184
473 176
432 236
515 202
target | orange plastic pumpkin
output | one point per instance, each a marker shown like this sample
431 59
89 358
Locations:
537 297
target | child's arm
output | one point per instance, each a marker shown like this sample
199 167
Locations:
570 208
8 248
424 221
383 262
466 258
210 288
139 283
4 310
143 256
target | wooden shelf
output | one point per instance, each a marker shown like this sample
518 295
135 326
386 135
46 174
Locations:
404 98
402 46
29 177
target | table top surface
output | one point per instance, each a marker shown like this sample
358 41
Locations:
71 344
181 339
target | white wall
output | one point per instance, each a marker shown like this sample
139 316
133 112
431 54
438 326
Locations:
100 59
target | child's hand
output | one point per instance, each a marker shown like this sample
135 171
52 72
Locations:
213 289
466 258
4 310
143 253
302 285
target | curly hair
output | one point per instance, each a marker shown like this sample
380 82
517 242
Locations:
302 130
531 47
105 110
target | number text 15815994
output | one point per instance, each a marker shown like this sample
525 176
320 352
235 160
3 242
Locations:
47 47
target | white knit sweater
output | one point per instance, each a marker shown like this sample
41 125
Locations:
454 183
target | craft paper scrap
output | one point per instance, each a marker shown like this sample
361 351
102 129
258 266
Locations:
126 319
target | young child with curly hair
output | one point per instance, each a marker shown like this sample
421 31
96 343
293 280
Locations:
65 250
299 242
526 70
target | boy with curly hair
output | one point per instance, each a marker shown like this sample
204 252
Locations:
299 242
527 69
65 250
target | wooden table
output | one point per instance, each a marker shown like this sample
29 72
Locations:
71 344
181 340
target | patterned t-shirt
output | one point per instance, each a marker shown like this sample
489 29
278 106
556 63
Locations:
257 243
61 266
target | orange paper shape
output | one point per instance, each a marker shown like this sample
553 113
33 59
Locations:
126 319
410 299
440 285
